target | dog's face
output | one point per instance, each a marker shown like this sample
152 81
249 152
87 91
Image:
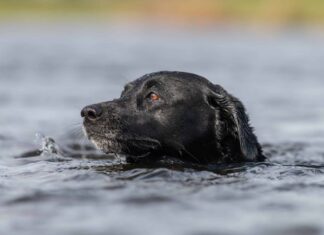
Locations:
171 113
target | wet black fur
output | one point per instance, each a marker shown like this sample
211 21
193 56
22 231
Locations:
194 121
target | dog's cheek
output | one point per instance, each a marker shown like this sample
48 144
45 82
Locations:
161 117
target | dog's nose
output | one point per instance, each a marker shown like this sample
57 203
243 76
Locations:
92 112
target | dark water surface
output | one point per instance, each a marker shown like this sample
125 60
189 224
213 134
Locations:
48 73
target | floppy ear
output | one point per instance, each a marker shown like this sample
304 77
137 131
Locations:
237 121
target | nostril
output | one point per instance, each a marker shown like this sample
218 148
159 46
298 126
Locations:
98 110
92 112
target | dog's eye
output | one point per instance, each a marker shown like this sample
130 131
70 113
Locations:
153 97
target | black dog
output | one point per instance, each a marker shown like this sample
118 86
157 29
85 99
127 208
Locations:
173 114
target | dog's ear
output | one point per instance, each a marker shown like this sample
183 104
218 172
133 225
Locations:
237 122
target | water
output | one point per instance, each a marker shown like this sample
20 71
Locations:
49 72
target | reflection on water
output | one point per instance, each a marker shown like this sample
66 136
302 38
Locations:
68 187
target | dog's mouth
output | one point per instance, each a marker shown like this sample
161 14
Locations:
114 142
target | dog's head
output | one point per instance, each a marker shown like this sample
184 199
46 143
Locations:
173 113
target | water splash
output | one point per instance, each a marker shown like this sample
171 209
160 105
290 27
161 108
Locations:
47 144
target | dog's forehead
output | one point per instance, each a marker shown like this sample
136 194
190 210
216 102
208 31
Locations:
169 80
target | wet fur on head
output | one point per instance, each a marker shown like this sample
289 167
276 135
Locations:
192 119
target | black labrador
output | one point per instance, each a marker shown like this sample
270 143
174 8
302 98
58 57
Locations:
175 114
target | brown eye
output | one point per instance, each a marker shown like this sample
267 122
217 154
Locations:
153 96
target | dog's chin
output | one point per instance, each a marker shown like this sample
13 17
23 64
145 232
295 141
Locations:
106 143
107 146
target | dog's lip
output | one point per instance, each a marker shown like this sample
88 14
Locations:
115 136
143 140
134 141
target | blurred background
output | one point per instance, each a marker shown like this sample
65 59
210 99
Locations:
191 12
57 56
